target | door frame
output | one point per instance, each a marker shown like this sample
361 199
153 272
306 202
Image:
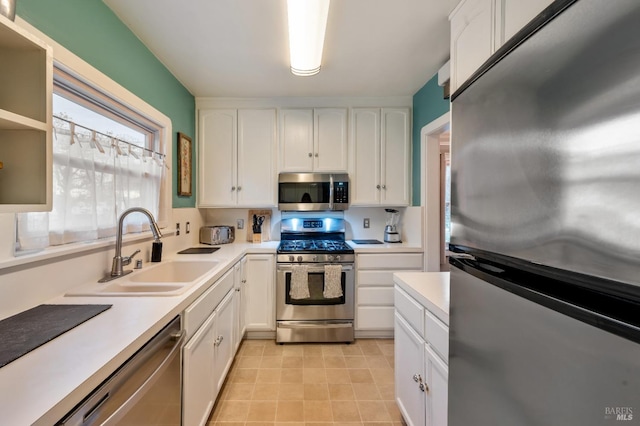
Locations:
430 196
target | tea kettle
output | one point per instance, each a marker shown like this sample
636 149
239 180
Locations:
391 234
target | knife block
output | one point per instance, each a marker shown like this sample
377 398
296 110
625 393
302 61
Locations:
257 238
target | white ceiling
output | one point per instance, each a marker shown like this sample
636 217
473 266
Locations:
239 48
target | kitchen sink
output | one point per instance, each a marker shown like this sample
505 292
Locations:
164 279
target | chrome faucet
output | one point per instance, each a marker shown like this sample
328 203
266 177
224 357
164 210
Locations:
118 260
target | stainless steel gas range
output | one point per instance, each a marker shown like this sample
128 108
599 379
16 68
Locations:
315 280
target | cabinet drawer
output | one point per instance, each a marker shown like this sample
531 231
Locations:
374 318
375 296
390 261
436 333
410 310
371 278
199 310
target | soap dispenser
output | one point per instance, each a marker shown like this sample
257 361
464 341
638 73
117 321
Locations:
156 251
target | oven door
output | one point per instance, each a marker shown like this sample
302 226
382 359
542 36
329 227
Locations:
316 307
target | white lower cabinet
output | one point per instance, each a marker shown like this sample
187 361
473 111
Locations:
421 370
260 314
239 301
374 281
207 356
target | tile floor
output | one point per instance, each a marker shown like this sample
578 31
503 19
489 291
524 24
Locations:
309 384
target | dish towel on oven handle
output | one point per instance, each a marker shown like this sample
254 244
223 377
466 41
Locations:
332 281
299 282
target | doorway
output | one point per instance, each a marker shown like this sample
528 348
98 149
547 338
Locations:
435 163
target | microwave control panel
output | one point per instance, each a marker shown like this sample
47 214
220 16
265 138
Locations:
341 192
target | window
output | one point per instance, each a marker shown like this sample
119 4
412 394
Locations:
106 159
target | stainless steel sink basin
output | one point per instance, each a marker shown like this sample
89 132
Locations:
164 279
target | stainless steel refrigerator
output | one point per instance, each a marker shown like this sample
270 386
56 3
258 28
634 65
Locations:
545 282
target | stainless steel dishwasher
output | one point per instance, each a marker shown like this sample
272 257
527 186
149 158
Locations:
144 390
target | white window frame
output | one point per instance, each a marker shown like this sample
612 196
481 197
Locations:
75 66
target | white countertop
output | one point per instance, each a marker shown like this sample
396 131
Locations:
45 384
431 289
386 247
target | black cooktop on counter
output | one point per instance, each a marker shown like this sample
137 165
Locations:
367 241
199 250
24 332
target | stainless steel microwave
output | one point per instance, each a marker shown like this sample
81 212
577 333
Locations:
313 191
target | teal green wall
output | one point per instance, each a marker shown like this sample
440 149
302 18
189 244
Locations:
89 29
428 104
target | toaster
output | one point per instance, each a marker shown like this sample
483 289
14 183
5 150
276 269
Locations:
217 234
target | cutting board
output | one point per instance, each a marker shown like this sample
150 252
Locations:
24 332
266 225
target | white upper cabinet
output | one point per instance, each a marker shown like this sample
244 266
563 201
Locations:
236 157
472 38
313 140
26 85
380 166
480 27
518 13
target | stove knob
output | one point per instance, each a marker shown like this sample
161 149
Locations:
337 258
331 258
299 258
315 258
291 258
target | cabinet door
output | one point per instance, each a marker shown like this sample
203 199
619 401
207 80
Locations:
330 140
217 149
364 156
517 13
396 156
198 382
243 298
296 140
237 305
224 338
260 286
256 157
472 38
437 380
409 369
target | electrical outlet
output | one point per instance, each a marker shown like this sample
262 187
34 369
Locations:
240 224
365 223
187 227
177 229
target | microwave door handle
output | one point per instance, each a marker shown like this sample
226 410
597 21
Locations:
330 192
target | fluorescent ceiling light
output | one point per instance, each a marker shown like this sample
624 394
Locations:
307 25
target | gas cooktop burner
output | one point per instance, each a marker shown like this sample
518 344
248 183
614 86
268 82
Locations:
316 246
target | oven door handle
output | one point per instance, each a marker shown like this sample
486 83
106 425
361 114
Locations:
314 269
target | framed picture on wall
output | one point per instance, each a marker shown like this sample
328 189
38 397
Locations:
184 164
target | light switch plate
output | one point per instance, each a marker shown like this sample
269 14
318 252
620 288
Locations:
240 224
365 223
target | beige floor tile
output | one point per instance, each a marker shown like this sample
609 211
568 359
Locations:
313 361
251 350
266 392
357 361
317 411
366 392
292 361
291 375
345 411
248 362
292 350
233 411
268 375
314 375
371 350
337 375
378 424
373 411
312 350
334 361
226 423
245 375
390 360
261 411
237 391
290 424
387 391
290 411
317 392
291 392
377 361
341 392
360 375
273 349
271 362
394 411
259 423
332 349
351 350
382 376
